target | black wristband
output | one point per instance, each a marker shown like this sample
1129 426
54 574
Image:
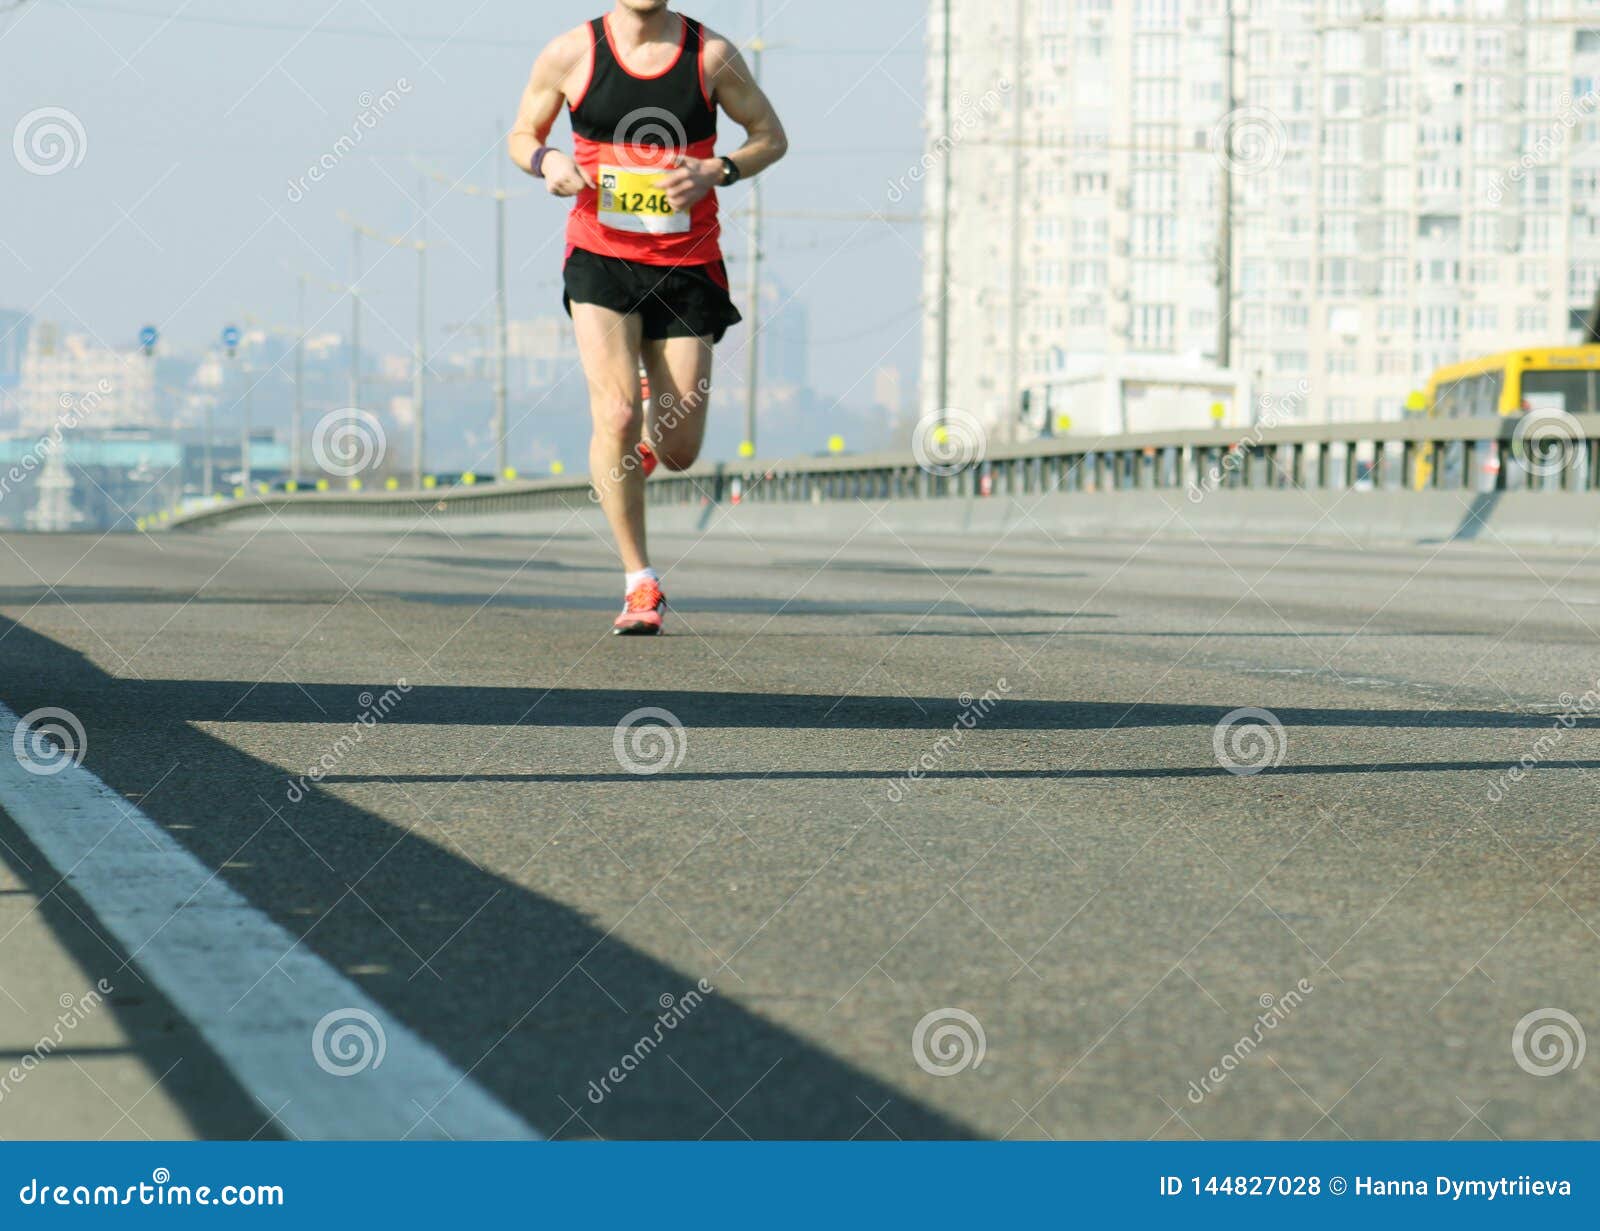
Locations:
731 174
536 167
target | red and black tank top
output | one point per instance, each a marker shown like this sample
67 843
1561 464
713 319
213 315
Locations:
629 130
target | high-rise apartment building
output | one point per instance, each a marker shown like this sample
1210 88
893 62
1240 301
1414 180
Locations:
1409 182
72 379
13 344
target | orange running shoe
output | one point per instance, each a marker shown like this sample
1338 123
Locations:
641 616
647 459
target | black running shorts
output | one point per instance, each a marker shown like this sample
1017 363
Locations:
675 301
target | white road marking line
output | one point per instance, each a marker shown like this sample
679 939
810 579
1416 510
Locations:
209 950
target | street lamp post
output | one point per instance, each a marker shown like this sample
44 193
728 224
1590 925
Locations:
753 346
946 193
244 427
230 345
299 385
419 363
207 480
1225 202
502 451
1020 50
420 347
500 426
355 321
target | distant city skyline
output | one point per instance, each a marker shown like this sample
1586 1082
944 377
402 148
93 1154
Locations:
135 423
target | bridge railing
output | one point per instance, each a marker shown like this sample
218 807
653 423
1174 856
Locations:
1464 455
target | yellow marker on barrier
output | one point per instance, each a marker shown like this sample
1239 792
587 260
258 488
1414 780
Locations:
163 515
510 474
322 485
747 448
263 488
1219 412
1063 423
941 435
469 479
1416 402
429 482
238 493
558 468
291 487
140 524
835 444
355 485
391 484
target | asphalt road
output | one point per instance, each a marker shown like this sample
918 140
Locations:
1359 927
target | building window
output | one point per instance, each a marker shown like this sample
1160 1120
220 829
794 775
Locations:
1438 324
1152 326
1086 275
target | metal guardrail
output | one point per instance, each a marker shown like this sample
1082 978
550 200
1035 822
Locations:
1470 455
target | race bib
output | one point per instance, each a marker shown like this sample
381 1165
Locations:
630 201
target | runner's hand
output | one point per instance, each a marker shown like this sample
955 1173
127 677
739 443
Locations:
691 181
563 177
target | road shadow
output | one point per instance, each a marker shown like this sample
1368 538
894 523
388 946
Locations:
449 705
27 597
532 997
730 605
1473 520
1135 635
980 774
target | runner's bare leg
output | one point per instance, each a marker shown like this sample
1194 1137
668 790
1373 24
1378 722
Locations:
608 344
680 388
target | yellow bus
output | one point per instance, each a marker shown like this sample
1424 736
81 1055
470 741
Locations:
1563 378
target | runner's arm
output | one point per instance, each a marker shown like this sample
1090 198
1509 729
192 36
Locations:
536 116
733 88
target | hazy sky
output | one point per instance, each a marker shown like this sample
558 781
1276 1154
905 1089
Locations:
196 116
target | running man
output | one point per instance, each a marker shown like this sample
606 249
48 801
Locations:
645 282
